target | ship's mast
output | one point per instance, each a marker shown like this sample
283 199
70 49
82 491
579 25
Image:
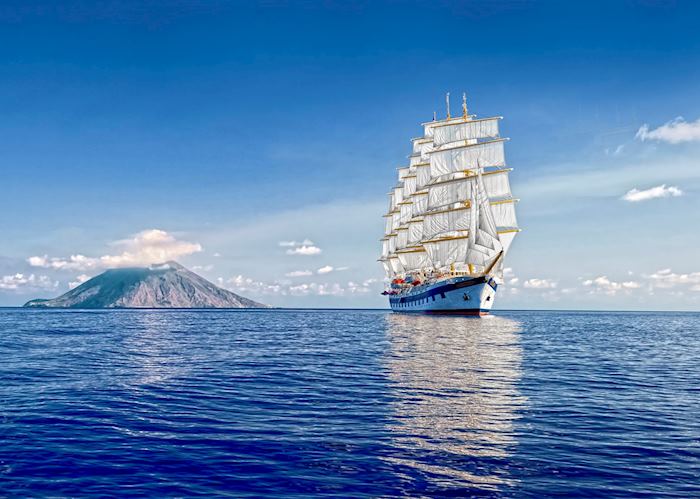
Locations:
452 209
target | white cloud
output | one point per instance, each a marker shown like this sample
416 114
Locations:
673 132
329 268
604 285
540 284
241 284
299 273
143 248
304 250
78 281
26 282
245 285
660 191
667 279
291 244
203 268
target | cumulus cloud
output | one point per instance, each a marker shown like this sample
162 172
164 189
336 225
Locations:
22 282
604 285
242 284
203 268
143 248
660 191
540 284
329 268
665 278
305 247
291 244
299 273
304 250
78 281
673 132
246 285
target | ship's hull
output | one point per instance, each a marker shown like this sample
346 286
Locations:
455 296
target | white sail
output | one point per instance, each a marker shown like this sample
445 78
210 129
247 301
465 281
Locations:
484 244
388 227
414 259
385 247
504 214
497 184
422 175
406 212
398 195
409 186
395 264
449 193
402 172
420 203
445 221
458 159
506 238
401 238
415 231
387 268
395 219
415 160
468 130
391 243
447 251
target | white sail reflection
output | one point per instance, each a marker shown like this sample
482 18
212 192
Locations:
456 395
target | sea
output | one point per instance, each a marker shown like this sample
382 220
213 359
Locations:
348 403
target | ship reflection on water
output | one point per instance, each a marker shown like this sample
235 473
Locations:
456 398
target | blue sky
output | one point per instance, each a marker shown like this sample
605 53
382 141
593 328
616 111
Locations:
232 127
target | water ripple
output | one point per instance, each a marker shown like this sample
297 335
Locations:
348 404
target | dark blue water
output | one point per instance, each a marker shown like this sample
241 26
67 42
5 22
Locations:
348 404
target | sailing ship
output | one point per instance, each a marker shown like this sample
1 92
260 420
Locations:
451 218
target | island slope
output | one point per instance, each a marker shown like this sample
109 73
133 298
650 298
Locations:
167 285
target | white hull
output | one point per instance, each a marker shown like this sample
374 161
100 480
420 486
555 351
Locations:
458 295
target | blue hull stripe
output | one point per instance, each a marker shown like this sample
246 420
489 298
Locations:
444 288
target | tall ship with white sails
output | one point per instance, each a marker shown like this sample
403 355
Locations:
451 219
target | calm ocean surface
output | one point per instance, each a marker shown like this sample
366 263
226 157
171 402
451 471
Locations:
348 404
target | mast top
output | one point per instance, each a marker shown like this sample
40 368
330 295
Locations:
465 113
447 102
